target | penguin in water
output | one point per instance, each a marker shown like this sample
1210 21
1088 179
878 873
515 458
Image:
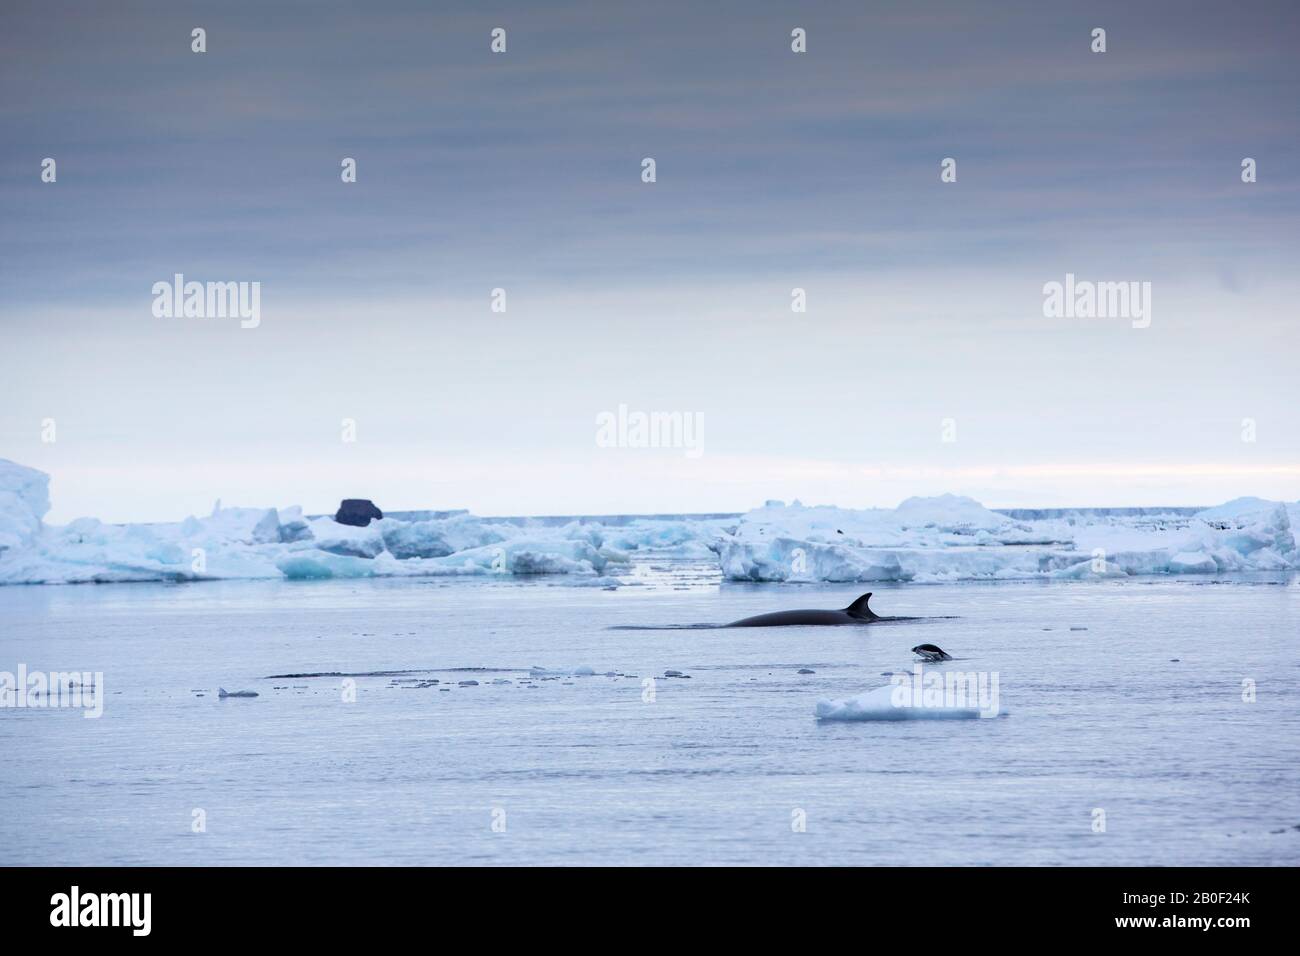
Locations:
931 653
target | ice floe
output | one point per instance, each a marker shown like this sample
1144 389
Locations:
897 701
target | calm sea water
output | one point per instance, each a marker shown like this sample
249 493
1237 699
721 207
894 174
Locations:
719 767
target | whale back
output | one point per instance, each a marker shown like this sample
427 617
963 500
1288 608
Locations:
856 613
860 610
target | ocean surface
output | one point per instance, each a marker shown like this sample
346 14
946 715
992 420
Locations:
1125 737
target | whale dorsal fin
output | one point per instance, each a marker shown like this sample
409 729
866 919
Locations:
859 607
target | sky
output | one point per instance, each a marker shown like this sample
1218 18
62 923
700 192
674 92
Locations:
924 362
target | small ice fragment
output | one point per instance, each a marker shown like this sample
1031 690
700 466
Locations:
882 703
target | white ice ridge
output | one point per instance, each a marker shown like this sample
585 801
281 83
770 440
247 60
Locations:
949 538
282 543
925 540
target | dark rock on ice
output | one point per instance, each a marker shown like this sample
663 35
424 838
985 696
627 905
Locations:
357 512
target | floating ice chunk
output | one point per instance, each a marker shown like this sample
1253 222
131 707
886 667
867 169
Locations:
608 582
894 702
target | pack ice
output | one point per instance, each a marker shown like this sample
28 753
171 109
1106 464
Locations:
951 538
283 543
947 538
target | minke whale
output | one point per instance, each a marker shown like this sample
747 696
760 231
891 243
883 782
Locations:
856 613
